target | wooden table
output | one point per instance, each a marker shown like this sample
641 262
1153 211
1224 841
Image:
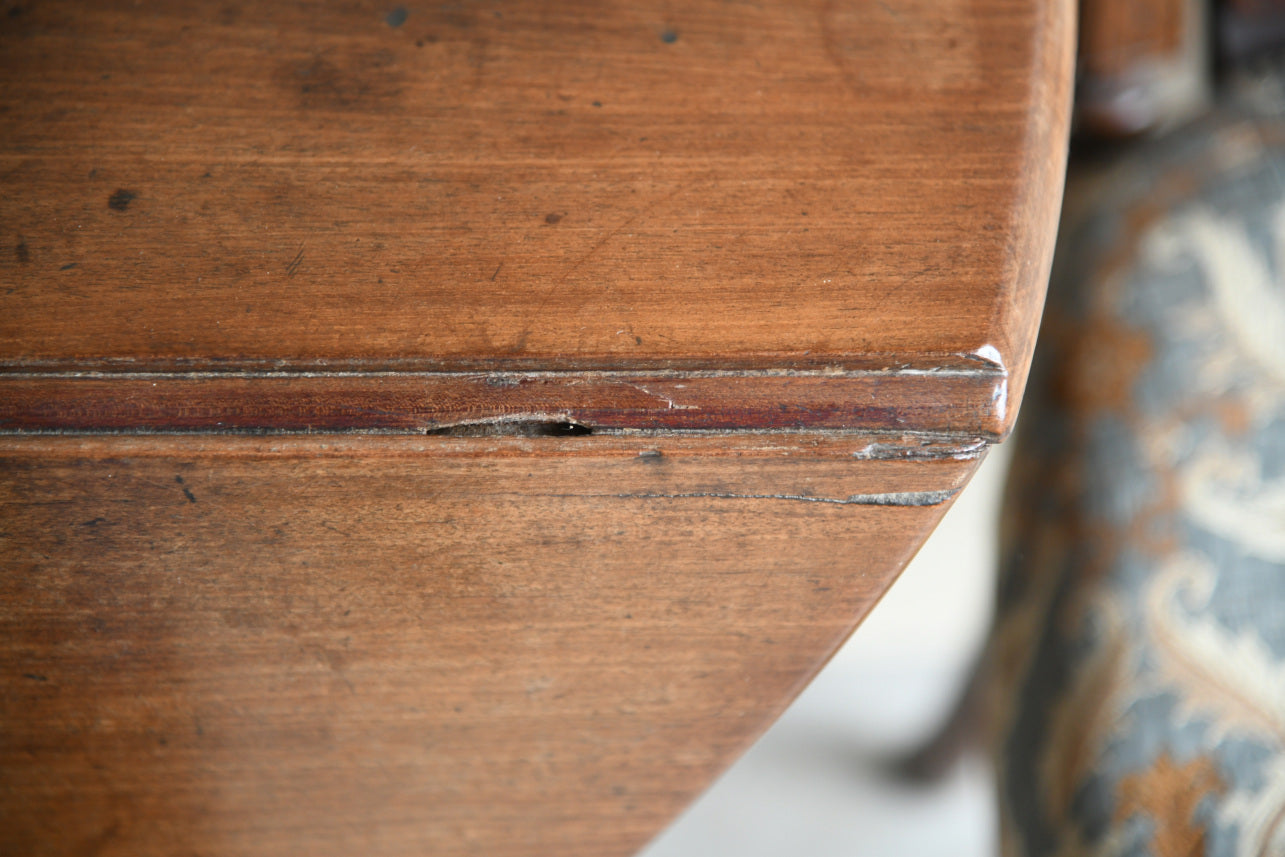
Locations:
462 428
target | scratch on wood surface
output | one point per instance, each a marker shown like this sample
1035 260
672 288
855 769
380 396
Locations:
892 498
669 403
293 267
560 280
893 13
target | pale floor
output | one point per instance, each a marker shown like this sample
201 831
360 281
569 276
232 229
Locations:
812 786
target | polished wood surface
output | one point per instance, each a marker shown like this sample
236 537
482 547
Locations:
462 428
419 646
972 405
549 186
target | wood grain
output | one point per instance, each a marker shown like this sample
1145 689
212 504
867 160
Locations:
417 646
530 186
404 402
783 261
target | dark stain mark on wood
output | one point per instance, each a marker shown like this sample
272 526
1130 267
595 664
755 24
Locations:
120 200
397 17
93 522
229 15
68 266
669 37
497 271
35 676
552 218
187 492
22 253
351 81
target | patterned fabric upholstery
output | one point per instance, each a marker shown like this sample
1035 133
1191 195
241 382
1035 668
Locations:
1138 668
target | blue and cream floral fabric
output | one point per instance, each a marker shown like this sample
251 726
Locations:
1139 662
